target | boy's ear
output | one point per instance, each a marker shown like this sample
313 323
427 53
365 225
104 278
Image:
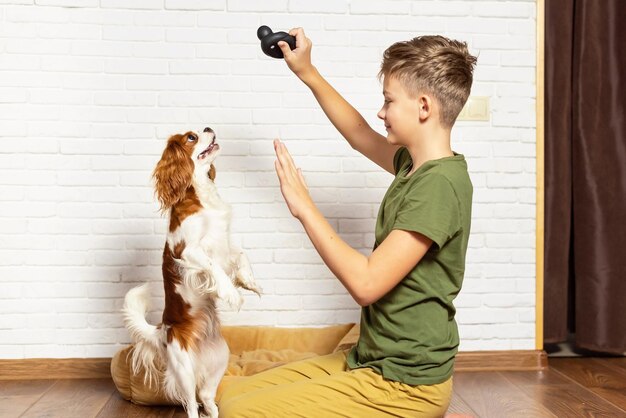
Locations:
425 106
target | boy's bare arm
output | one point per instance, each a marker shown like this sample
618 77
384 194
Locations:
366 278
348 121
350 124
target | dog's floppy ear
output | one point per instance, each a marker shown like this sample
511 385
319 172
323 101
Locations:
212 173
172 175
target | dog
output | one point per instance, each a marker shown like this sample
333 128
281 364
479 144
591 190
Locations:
186 350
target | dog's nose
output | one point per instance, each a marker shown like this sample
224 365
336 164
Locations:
207 129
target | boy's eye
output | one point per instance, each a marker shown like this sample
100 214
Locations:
192 138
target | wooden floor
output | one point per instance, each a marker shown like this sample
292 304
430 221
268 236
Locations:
571 387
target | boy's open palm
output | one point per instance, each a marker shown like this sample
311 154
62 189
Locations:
292 184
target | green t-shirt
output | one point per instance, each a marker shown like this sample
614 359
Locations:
410 335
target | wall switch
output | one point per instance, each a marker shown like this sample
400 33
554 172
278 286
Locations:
476 109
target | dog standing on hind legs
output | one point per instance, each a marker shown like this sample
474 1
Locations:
186 351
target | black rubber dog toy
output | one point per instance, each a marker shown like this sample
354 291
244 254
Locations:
269 41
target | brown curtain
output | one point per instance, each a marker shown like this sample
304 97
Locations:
585 149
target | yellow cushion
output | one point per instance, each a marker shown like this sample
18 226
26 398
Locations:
253 349
350 339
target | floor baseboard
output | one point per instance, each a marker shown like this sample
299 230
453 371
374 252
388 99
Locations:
54 368
88 368
507 360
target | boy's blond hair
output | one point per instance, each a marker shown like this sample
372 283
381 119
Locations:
433 65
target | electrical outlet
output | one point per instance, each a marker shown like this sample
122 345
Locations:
476 109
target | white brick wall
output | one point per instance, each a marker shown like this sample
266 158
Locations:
89 91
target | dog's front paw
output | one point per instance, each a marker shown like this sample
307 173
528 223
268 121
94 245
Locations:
231 296
254 288
246 281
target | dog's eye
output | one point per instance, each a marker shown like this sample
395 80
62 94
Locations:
192 138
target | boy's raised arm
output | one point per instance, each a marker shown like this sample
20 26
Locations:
348 121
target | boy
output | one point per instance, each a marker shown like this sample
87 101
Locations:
403 362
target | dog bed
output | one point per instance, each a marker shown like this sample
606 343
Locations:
252 350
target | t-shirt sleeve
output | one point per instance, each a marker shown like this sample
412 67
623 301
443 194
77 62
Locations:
431 208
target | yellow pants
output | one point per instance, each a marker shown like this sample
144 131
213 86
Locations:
324 387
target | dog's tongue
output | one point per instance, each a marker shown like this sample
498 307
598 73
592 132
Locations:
204 153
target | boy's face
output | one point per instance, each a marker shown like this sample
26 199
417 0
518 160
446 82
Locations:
400 113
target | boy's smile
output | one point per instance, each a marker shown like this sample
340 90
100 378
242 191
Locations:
400 112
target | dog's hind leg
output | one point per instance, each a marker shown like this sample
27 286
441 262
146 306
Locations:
207 397
214 359
180 364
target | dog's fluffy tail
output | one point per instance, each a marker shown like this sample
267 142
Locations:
147 353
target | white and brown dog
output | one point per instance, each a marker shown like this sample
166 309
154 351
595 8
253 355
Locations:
199 266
